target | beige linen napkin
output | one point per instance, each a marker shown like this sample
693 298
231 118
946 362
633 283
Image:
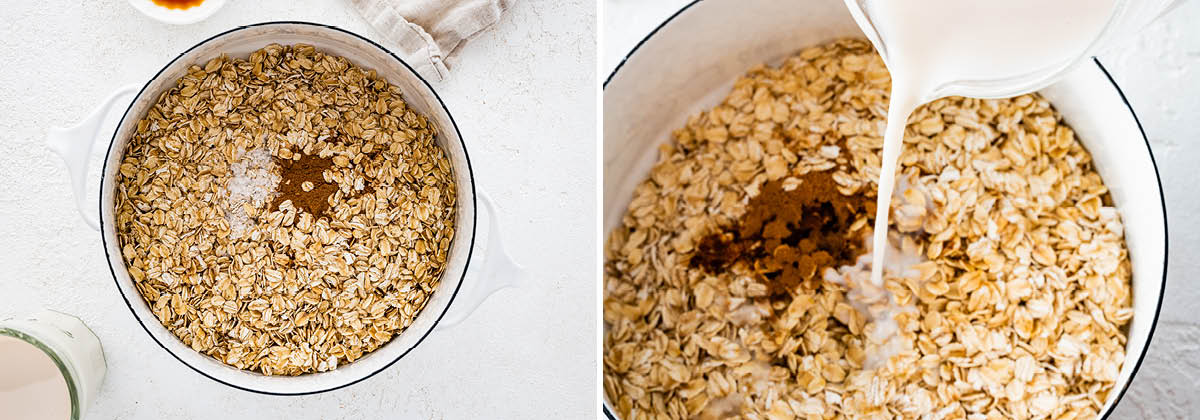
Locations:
426 32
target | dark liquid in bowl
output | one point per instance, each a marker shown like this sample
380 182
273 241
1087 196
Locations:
178 4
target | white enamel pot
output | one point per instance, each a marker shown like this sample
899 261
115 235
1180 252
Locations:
452 301
691 60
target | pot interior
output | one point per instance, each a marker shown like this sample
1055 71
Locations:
418 94
692 60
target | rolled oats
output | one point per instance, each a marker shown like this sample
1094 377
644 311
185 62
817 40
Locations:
1021 307
291 292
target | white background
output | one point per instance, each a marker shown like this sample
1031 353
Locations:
1160 74
523 95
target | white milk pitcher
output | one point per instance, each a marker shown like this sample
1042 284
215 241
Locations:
1121 20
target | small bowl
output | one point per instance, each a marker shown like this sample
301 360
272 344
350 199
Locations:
177 16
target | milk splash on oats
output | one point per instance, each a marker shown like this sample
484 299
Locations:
872 300
932 46
876 303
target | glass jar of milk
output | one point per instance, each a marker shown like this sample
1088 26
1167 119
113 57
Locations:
51 367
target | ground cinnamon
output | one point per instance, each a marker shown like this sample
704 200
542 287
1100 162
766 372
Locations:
293 175
790 237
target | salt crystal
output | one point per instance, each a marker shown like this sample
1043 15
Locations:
254 181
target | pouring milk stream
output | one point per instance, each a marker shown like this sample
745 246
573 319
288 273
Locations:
975 48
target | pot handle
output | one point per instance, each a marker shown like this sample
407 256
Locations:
499 271
74 145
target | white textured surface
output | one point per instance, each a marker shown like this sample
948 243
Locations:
523 95
1159 73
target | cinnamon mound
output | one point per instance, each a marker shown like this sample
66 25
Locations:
309 168
790 237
